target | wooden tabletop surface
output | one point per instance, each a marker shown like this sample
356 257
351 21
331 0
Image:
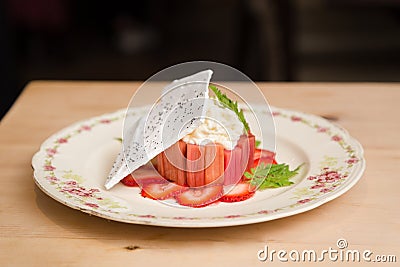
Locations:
35 230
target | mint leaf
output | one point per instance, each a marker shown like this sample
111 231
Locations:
271 175
258 143
228 103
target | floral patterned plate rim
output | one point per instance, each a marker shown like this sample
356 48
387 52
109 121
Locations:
71 167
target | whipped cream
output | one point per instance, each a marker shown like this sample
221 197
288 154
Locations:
221 126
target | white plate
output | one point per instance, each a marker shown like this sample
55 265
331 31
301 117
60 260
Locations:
72 165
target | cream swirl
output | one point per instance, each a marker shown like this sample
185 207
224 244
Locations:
221 126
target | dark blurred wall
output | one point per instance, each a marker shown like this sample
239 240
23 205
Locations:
304 40
8 79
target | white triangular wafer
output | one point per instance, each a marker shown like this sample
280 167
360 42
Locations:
181 110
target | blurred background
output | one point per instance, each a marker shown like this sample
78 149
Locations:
269 40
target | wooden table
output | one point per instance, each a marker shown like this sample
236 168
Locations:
36 230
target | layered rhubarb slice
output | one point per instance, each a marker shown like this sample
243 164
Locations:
171 163
195 165
199 165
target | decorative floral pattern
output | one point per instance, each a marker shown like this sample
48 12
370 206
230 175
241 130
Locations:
332 132
62 140
322 183
70 184
333 172
86 128
332 175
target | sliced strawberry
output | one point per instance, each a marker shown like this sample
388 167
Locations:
239 193
129 181
143 181
263 153
264 156
161 191
200 197
265 161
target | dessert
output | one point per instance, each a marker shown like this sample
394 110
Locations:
201 148
217 151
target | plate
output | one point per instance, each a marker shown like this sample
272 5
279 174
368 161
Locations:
72 165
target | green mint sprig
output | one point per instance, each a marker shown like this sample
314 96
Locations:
271 175
232 105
